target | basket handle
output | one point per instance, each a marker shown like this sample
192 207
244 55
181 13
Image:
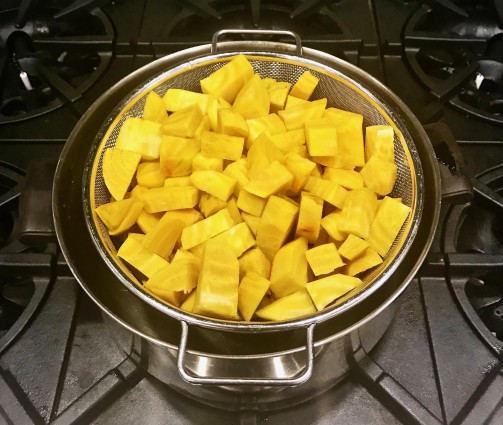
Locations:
196 379
294 35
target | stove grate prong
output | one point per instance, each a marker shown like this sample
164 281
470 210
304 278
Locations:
24 11
79 6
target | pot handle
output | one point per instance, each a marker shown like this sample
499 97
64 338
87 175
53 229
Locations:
194 379
294 35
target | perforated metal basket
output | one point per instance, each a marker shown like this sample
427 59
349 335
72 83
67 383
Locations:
341 90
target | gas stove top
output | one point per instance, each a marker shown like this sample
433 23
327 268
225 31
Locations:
441 359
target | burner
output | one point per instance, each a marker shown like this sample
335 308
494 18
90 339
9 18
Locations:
46 62
456 50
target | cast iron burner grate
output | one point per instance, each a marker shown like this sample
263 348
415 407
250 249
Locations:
48 61
456 50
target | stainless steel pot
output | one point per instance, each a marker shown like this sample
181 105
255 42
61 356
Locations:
280 355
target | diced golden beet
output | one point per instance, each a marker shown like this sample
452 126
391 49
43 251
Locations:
217 145
277 95
333 162
251 203
261 155
251 290
119 167
254 261
227 81
141 136
272 180
317 171
321 138
268 81
162 238
209 205
170 198
300 150
252 221
348 179
154 109
365 261
324 259
305 85
239 238
331 224
217 287
233 210
270 124
203 162
203 126
296 116
181 253
387 223
231 123
323 238
188 304
275 224
171 297
349 136
358 212
138 192
184 122
179 275
178 181
329 191
352 247
289 140
205 229
146 222
238 170
308 224
212 112
176 154
294 101
301 168
252 101
289 268
292 306
145 261
176 99
198 250
379 175
119 216
325 290
216 184
149 174
379 142
136 236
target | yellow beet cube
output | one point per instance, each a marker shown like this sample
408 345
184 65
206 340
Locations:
119 167
277 95
254 261
251 290
310 212
178 181
227 81
301 168
203 162
176 155
252 221
289 268
329 191
352 247
289 140
251 203
188 304
149 174
296 116
141 136
119 216
234 210
239 171
275 224
272 180
203 230
154 109
270 124
321 138
184 122
146 221
331 225
348 179
379 142
325 290
216 184
217 287
145 261
291 306
387 223
170 198
379 175
358 212
252 101
176 99
209 205
231 123
304 86
294 101
261 155
217 145
324 259
365 261
239 238
180 275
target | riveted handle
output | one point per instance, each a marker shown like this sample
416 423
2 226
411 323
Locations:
239 380
218 34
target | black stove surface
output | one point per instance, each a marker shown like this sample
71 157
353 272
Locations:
440 362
